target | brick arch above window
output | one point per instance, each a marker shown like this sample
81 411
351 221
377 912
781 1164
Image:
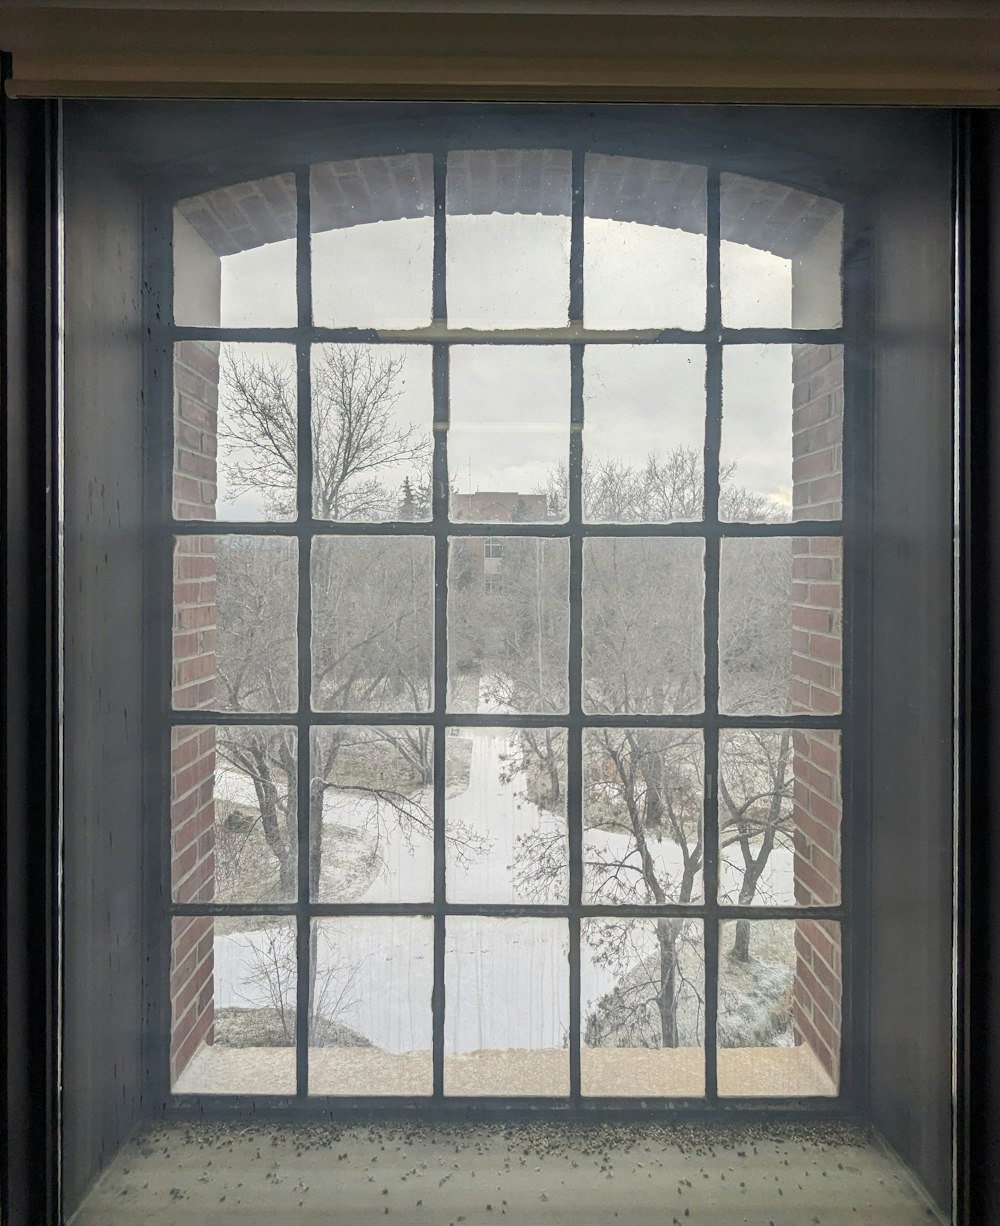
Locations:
769 216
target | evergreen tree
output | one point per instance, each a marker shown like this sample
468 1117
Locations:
408 503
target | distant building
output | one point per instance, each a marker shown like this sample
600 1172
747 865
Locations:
491 506
505 506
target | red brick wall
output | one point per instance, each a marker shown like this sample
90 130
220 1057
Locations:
817 990
192 808
817 681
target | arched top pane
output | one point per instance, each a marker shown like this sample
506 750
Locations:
372 222
781 256
234 255
508 238
644 243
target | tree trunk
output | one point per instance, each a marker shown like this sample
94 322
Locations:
316 794
741 944
666 935
755 867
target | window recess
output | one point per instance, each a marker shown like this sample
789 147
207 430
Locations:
505 736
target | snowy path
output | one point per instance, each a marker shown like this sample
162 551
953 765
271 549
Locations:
507 979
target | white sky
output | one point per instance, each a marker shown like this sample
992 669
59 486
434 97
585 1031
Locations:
509 415
640 399
374 275
510 404
638 276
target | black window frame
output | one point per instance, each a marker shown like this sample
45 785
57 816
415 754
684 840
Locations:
503 127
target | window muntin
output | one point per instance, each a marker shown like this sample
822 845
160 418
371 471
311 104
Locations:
705 525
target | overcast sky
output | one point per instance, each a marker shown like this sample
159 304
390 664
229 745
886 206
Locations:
510 404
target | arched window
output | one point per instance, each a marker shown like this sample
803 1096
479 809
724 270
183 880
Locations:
551 812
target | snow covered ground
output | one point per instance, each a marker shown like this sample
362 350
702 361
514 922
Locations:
507 979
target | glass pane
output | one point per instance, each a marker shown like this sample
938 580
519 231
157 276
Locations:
508 238
508 624
780 626
370 1016
643 791
643 652
779 1008
644 243
505 816
506 1028
234 256
373 795
372 415
643 434
755 456
232 995
234 636
372 641
508 438
232 814
780 813
372 222
235 431
642 983
781 256
782 432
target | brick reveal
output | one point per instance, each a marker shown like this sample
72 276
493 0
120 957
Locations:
192 752
769 216
817 686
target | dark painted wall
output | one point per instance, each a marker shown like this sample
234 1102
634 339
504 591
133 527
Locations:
102 1061
911 812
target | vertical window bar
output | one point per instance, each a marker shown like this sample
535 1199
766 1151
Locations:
574 744
303 938
713 433
576 240
574 735
157 661
856 584
439 515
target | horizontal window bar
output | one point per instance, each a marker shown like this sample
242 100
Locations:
429 1107
457 720
313 528
575 334
703 910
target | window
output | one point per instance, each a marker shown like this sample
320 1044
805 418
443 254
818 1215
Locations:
554 814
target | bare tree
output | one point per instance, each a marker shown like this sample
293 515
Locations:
643 788
356 440
755 787
372 639
663 489
270 971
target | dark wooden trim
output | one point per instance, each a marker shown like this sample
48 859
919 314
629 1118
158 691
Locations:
29 1114
940 54
978 999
